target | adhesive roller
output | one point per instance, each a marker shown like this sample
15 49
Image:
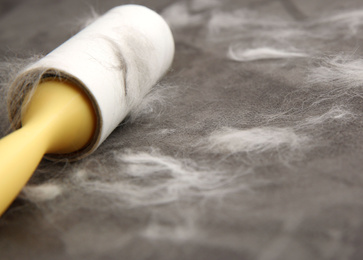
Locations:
67 103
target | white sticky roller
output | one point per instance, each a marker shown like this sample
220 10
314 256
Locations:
116 60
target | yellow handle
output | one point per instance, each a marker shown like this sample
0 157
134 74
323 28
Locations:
59 118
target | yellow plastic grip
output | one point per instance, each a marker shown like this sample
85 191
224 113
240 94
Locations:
58 118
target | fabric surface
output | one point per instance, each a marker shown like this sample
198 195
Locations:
249 148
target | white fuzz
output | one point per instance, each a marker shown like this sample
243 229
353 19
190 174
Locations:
337 80
338 113
239 53
338 71
287 144
143 179
255 140
351 20
9 68
153 103
42 192
335 113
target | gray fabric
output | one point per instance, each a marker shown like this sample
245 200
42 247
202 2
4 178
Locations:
307 208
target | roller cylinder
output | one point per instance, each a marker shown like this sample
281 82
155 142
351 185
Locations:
115 60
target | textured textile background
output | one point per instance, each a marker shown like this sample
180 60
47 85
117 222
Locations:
287 185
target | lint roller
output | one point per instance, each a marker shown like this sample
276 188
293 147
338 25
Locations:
67 103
